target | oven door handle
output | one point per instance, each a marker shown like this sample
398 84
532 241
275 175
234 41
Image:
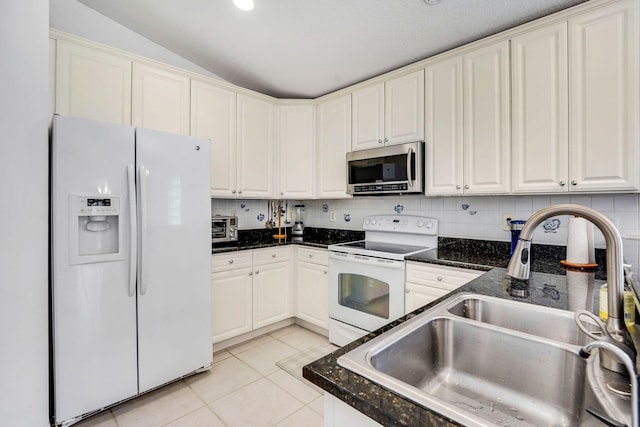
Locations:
409 178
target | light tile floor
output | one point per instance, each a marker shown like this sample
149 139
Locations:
244 387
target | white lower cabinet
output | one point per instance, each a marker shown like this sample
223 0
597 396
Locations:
428 282
272 293
250 289
312 290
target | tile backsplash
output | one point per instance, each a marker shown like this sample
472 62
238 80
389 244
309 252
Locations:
478 217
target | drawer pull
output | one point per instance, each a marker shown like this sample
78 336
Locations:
273 255
257 271
439 278
310 255
230 261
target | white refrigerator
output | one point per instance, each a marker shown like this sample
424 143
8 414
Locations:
130 263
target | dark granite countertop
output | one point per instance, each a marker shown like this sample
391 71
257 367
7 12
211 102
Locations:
263 238
390 409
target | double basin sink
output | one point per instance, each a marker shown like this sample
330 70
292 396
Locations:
480 360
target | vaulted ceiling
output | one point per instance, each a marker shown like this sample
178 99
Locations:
305 49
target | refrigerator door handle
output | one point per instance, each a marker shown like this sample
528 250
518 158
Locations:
142 194
133 234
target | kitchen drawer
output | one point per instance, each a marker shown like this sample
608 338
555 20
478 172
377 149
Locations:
271 255
315 256
441 277
231 261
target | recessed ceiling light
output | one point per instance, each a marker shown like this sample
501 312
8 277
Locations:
244 4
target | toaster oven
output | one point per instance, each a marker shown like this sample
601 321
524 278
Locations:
224 229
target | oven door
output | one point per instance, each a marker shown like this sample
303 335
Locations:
364 291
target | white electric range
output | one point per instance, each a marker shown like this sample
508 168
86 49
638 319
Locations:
367 277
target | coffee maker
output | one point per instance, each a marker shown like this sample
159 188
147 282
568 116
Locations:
298 224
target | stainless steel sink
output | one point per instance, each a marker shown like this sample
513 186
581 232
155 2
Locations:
462 359
558 325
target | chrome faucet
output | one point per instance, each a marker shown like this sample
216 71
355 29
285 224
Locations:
519 268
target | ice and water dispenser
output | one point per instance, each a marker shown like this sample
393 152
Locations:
95 228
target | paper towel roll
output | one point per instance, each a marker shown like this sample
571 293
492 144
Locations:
580 242
579 285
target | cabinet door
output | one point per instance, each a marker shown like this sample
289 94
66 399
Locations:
604 99
313 293
213 116
540 116
160 99
334 141
417 296
296 151
255 147
367 117
92 84
231 300
443 127
404 109
487 145
271 294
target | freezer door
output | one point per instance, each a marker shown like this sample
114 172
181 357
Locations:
174 256
93 312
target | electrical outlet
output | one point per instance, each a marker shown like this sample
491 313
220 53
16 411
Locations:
506 218
332 216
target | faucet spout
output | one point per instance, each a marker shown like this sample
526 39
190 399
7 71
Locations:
519 265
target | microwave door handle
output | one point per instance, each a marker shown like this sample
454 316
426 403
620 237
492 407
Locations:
409 153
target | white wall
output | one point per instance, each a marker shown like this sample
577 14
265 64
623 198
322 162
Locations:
24 385
74 17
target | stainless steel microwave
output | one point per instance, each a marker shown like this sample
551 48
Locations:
395 169
224 229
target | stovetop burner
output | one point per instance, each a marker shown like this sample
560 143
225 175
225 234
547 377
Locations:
383 247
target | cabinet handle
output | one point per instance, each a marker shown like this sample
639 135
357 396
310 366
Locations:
562 183
466 187
273 255
251 273
386 140
574 182
282 193
379 141
439 278
325 272
257 272
457 187
233 191
230 261
406 291
310 255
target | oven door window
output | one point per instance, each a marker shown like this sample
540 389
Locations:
364 294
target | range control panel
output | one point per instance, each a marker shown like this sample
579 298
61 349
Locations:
401 224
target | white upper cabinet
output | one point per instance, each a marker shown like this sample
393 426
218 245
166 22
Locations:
467 123
334 141
213 116
296 148
160 99
367 117
575 111
404 109
92 84
540 110
388 113
255 136
604 99
443 127
487 130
